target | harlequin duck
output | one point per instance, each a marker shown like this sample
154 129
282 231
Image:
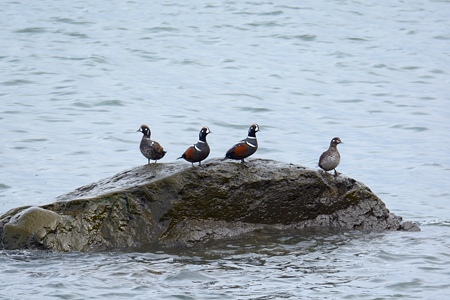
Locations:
150 149
199 151
246 147
331 158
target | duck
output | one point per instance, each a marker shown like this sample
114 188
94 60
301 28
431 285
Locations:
330 159
152 150
199 151
246 147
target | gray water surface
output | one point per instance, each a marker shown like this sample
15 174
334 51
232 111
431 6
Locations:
77 79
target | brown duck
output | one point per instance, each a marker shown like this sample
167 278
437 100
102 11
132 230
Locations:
330 159
152 150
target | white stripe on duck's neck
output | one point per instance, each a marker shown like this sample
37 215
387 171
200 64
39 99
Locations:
250 144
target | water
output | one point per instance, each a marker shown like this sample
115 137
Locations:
77 79
311 265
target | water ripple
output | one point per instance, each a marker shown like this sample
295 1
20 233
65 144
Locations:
4 186
32 30
71 21
17 82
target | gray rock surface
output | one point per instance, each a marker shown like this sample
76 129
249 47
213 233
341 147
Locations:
172 204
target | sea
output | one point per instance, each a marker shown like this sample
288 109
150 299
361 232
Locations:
78 78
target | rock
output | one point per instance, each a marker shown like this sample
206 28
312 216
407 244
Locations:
173 204
28 227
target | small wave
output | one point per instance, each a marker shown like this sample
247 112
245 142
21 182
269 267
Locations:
263 24
77 34
109 103
272 13
243 95
254 109
71 21
17 82
442 37
413 128
350 101
443 223
4 186
303 37
357 39
32 30
33 140
159 29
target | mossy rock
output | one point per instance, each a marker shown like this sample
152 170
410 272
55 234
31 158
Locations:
173 204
